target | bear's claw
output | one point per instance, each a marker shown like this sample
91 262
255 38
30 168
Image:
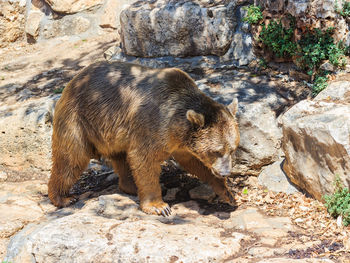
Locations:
156 208
227 197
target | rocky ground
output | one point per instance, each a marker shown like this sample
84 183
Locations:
106 225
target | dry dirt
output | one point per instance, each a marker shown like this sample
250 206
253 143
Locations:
46 67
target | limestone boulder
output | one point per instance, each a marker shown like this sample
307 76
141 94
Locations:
317 8
12 21
316 140
177 28
110 16
33 23
274 178
17 207
25 138
72 6
239 54
66 26
111 228
338 91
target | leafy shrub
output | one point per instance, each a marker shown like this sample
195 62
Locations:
254 14
317 46
339 202
320 83
58 90
345 11
311 50
279 39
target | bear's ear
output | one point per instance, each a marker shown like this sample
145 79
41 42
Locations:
195 118
233 107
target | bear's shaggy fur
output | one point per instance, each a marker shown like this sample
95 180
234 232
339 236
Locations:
138 117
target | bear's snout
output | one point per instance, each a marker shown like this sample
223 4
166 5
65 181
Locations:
223 165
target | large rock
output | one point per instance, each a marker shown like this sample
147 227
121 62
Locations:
273 178
301 8
72 6
18 207
110 16
33 23
66 26
25 138
177 28
239 53
316 140
113 229
12 21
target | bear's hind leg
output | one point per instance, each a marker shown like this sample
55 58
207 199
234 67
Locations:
67 167
121 167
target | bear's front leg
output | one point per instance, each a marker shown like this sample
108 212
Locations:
146 174
194 166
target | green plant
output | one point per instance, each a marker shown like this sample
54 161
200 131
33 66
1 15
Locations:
58 90
317 46
262 63
254 14
279 39
345 11
320 83
339 202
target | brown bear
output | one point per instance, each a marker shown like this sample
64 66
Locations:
137 117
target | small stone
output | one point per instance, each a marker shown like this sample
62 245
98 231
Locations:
340 221
33 23
327 66
109 53
3 176
304 208
298 75
260 252
204 192
171 194
268 241
346 242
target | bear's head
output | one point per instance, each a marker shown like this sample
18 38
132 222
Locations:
215 137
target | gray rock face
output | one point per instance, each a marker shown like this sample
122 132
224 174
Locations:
336 91
68 25
177 28
239 52
72 6
25 137
33 23
299 8
110 16
112 229
274 178
316 141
